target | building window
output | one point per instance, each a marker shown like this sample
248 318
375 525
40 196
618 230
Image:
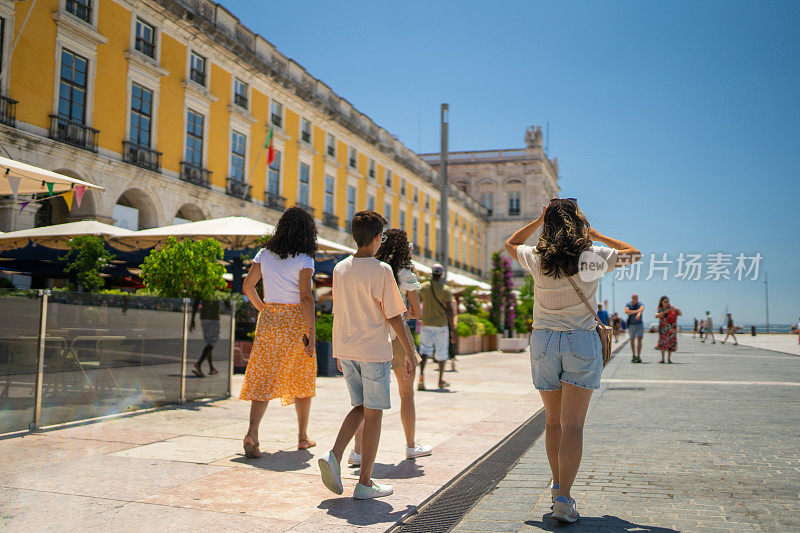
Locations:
197 72
305 131
414 229
416 196
427 236
402 220
352 157
305 177
351 202
145 38
371 169
141 115
194 138
487 201
387 213
427 202
403 187
388 178
238 147
370 203
274 175
276 114
81 9
513 203
330 145
240 93
72 89
330 184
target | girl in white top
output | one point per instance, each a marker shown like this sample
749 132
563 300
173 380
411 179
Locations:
282 363
396 252
566 355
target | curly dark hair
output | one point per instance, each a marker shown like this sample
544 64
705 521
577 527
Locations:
295 234
565 235
395 251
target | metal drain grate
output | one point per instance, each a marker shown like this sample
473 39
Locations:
443 510
626 388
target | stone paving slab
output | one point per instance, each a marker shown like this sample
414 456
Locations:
675 456
183 469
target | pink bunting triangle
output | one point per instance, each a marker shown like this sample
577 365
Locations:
24 205
14 182
79 190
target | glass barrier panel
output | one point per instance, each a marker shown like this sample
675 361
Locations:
19 347
209 339
109 354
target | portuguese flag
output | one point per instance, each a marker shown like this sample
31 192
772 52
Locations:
270 146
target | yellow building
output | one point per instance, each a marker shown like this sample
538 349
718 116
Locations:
167 105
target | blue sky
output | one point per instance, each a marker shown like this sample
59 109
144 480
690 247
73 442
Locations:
676 124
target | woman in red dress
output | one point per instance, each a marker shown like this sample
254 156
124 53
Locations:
667 316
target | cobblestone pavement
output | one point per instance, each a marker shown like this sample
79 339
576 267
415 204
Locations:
708 443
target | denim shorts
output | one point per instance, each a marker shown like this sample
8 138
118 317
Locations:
574 357
368 383
635 331
435 341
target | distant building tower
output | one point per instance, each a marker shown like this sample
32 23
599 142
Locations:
511 183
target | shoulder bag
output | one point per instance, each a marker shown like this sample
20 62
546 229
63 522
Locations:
452 347
604 331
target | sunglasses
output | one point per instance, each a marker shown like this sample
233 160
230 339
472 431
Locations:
383 238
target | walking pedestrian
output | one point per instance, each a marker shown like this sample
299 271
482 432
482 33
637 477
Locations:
396 252
634 310
282 363
438 324
667 316
695 328
730 330
566 352
602 313
209 322
367 306
708 328
616 326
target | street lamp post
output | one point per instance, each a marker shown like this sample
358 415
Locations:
444 250
766 297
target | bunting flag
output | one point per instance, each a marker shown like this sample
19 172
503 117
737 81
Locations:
14 182
79 190
24 205
270 146
69 196
49 187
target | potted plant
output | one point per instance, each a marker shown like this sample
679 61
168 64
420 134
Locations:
326 364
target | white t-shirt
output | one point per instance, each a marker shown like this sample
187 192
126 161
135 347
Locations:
407 281
556 305
282 276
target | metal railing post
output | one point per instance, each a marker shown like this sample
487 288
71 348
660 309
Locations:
184 351
37 405
232 347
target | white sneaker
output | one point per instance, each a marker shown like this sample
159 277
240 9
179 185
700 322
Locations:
354 459
362 492
564 510
331 473
418 450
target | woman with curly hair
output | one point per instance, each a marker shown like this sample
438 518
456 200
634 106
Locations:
282 363
396 252
566 353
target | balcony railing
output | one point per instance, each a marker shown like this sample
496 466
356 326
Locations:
195 174
277 120
305 136
238 188
307 208
513 211
198 76
82 10
275 201
240 100
371 173
331 150
330 220
71 132
146 47
353 163
141 156
8 111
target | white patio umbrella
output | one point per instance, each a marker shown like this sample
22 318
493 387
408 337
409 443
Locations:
455 279
21 178
59 235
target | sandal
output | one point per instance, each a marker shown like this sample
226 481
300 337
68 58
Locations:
443 384
213 372
305 444
197 372
251 448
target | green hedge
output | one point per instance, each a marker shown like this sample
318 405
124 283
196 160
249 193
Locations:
324 327
474 325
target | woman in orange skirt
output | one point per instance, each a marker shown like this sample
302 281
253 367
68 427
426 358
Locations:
283 362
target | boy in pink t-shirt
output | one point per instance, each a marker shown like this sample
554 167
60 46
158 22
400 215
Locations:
367 305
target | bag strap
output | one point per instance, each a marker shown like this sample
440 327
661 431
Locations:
433 292
584 301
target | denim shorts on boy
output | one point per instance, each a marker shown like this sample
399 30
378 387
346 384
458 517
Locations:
368 383
435 341
636 330
574 356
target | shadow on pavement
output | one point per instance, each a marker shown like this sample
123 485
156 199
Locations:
281 461
363 512
597 523
405 469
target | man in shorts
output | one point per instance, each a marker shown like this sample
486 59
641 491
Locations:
634 310
438 323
